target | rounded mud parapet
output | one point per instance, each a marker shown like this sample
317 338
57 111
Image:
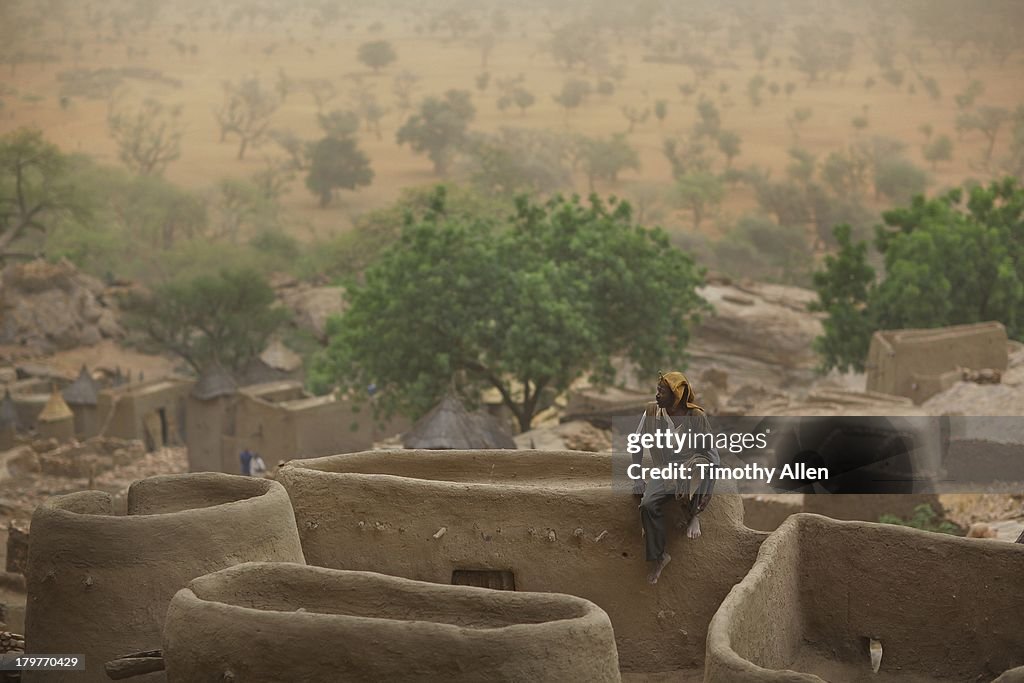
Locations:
278 622
823 594
99 583
530 521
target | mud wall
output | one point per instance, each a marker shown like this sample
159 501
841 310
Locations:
910 362
764 624
868 507
768 513
263 428
207 423
246 620
99 584
131 404
86 421
550 518
941 606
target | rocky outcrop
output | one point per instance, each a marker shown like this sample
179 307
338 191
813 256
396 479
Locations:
50 307
971 398
760 332
310 306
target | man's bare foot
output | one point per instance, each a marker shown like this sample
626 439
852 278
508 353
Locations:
693 529
655 572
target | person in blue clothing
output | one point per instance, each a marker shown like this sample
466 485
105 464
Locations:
245 458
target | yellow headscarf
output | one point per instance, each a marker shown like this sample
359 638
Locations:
681 389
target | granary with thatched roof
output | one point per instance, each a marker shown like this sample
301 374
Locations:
56 421
82 396
449 425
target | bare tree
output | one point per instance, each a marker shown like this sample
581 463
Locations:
368 106
635 116
402 86
246 112
986 120
148 138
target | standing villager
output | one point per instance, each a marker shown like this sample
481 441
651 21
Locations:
675 398
245 462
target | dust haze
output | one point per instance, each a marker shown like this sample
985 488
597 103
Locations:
755 93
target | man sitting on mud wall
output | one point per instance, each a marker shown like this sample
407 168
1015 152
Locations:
675 398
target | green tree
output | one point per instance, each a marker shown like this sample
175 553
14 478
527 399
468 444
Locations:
950 260
349 253
574 93
523 99
337 124
759 248
337 163
939 149
525 306
226 318
699 192
605 158
710 120
515 160
842 289
660 110
377 54
899 179
729 145
439 128
35 188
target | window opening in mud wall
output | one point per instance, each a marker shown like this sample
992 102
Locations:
497 579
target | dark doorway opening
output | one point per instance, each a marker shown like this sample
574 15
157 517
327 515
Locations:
162 412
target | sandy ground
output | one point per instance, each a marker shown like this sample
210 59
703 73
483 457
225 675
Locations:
329 53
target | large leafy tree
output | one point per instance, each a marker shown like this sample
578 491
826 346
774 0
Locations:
377 54
337 163
224 318
950 260
525 305
439 128
36 191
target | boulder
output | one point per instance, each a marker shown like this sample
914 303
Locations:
758 332
50 307
312 306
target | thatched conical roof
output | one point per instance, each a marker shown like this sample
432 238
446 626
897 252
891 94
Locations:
450 426
279 357
83 391
55 409
213 383
8 413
